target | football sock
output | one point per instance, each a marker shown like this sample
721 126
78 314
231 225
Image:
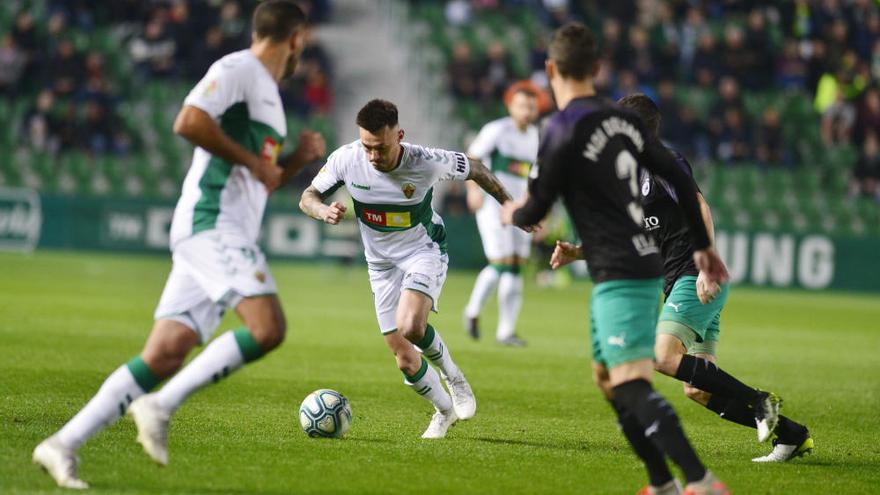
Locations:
433 348
705 375
510 288
654 460
426 382
485 284
661 425
124 385
788 431
732 410
224 355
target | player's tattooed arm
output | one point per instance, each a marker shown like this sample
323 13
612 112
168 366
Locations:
312 204
487 181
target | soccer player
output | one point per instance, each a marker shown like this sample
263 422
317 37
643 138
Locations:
235 119
590 154
391 183
508 146
689 326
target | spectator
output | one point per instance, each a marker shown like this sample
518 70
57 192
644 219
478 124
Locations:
761 51
736 60
734 143
837 121
498 71
692 31
234 26
791 68
153 51
317 93
705 66
12 65
868 116
205 53
628 84
639 56
875 60
770 148
673 127
40 127
867 172
463 71
65 70
837 42
730 98
612 45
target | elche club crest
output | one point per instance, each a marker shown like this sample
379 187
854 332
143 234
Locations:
408 189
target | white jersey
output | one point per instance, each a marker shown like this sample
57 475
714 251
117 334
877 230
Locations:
243 97
508 152
394 208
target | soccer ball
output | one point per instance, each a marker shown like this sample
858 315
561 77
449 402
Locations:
325 413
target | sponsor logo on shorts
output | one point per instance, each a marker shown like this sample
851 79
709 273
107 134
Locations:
388 218
408 189
617 340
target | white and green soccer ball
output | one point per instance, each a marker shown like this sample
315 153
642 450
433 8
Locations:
325 413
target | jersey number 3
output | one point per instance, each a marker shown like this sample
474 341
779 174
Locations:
627 169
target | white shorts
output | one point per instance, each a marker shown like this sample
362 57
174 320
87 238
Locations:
210 276
501 241
423 272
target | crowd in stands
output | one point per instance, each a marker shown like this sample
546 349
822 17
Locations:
683 52
49 57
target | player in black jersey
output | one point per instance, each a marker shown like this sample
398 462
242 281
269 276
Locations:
590 154
689 325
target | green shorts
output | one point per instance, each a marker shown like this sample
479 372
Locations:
697 325
623 319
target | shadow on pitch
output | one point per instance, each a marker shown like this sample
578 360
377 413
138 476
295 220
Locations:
532 443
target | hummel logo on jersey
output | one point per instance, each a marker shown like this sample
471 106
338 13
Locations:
408 189
674 306
617 340
360 186
268 102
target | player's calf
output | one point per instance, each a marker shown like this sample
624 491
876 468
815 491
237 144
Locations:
699 396
264 320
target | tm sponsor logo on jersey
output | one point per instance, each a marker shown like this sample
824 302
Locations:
401 219
270 150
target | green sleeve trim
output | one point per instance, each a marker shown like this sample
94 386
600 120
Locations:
428 339
142 374
329 192
419 374
250 349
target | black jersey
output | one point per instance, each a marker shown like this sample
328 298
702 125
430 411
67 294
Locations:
591 153
664 219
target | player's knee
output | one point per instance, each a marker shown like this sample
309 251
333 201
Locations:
666 362
602 380
411 327
269 334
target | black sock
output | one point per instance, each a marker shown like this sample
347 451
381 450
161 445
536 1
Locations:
654 460
790 432
732 410
661 425
704 375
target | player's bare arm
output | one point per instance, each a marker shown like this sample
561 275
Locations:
310 147
707 290
487 181
474 196
312 204
199 128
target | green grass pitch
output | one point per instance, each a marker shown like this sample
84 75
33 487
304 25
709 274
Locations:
68 319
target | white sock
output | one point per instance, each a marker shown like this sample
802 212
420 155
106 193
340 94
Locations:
510 289
427 384
107 406
219 359
485 284
434 349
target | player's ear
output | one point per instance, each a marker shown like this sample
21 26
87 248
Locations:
400 134
549 68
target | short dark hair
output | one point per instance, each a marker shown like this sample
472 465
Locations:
645 107
277 19
377 114
573 49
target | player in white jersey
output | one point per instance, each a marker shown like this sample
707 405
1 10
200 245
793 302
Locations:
391 183
508 146
235 118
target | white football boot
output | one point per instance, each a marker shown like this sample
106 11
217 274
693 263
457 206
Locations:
463 400
785 452
152 425
440 423
767 414
60 462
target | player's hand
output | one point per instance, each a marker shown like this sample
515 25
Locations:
563 254
333 213
707 290
310 147
268 173
507 210
708 262
474 199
